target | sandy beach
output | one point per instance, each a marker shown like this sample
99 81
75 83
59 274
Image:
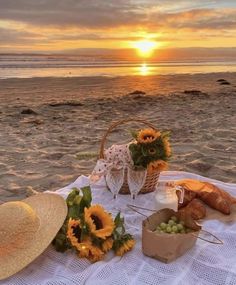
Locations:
51 128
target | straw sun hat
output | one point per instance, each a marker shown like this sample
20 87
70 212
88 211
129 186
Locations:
27 228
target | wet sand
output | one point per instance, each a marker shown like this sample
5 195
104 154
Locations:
51 128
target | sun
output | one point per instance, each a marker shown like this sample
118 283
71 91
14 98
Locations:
145 48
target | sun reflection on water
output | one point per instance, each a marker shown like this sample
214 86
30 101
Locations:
144 69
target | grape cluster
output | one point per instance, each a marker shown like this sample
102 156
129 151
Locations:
173 226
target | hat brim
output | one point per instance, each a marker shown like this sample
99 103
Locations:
51 210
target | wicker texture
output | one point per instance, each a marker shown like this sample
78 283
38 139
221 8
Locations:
151 178
32 225
149 185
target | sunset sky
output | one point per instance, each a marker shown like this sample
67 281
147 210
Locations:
62 25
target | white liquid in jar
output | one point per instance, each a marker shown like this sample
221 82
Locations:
166 197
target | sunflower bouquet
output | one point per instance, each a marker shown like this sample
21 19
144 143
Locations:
90 230
150 150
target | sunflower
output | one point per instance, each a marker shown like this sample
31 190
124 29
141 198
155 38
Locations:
167 147
107 244
152 151
158 165
125 246
95 254
148 136
74 235
98 221
91 252
85 248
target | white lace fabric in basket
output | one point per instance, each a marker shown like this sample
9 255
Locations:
116 161
204 264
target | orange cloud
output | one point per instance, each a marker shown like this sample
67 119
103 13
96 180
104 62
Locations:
68 24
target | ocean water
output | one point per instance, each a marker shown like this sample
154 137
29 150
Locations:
28 66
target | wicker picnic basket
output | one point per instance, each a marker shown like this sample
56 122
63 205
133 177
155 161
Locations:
151 178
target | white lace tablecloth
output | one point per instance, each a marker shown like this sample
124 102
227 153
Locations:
204 264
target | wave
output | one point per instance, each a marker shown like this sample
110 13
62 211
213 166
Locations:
22 66
40 64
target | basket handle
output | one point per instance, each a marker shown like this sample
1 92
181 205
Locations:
114 125
215 241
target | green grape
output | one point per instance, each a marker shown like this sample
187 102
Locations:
163 226
161 232
171 223
182 223
174 218
180 227
158 228
174 229
168 229
182 231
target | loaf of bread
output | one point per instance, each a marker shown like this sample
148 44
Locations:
208 193
216 198
195 209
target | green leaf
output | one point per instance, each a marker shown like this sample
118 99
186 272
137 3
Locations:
76 204
86 199
87 196
144 150
97 241
74 190
74 211
77 200
134 134
119 241
84 231
61 245
60 241
71 196
165 134
117 219
119 226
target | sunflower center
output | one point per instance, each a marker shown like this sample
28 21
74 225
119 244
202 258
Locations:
77 233
152 151
148 137
97 222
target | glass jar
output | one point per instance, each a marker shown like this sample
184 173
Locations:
166 196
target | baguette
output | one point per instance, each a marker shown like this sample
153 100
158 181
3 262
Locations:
208 193
195 209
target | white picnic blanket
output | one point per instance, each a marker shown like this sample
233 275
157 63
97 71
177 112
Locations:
204 264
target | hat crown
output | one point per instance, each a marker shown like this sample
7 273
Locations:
18 225
27 228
